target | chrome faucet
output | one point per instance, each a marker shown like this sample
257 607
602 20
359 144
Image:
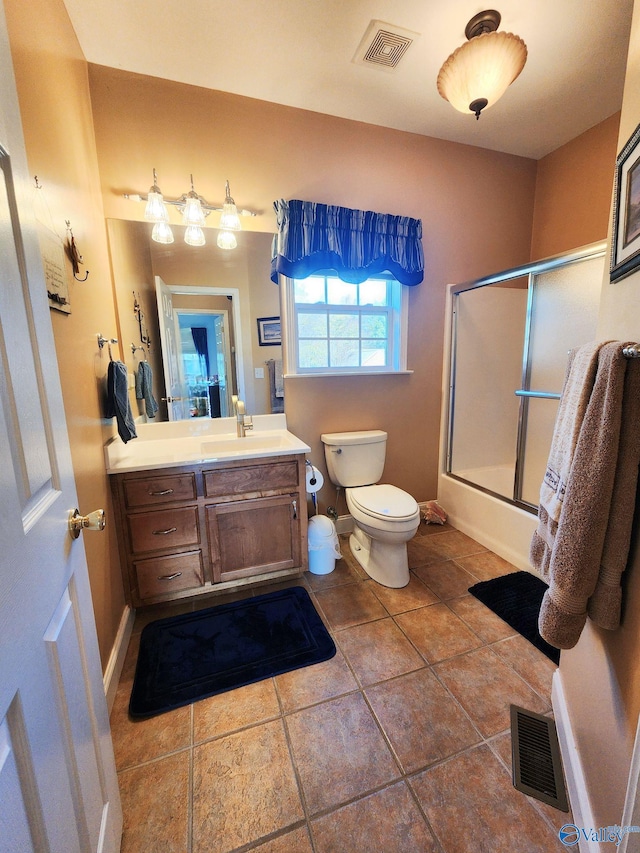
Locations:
243 421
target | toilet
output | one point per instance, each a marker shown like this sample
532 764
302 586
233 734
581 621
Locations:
385 517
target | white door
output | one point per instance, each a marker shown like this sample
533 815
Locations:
58 784
171 354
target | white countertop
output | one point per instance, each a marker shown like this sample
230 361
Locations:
198 440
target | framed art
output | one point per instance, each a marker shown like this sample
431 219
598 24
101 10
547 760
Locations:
269 334
625 240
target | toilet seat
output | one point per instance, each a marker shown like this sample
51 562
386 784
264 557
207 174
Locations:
384 503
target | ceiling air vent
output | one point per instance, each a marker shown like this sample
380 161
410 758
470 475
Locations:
383 45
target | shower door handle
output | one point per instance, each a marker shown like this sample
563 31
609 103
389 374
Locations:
542 395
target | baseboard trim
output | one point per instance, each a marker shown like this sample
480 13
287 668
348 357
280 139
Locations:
344 524
115 663
582 814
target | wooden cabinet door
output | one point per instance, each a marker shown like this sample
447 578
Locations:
250 537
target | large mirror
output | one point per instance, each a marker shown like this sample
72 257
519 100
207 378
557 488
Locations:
194 314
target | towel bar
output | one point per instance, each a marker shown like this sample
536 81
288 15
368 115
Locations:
632 351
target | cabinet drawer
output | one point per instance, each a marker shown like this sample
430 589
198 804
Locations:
162 530
164 575
149 491
267 477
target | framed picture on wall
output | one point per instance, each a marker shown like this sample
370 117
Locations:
625 241
269 331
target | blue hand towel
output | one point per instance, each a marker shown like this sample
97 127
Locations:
118 405
144 388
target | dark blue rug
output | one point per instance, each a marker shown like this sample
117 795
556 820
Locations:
516 598
195 655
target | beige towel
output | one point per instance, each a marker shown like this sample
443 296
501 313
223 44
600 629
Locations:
605 604
571 561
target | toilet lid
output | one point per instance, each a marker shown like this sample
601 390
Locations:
383 501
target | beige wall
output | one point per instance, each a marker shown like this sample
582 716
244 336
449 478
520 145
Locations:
476 207
573 192
55 104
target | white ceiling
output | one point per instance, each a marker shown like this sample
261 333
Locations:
299 53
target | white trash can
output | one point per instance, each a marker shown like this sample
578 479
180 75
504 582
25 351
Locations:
324 549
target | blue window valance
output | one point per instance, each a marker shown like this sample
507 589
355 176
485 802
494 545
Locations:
355 243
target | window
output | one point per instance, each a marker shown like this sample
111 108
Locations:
339 327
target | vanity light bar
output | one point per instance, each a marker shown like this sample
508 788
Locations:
180 202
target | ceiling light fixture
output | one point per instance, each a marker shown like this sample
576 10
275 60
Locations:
194 209
479 72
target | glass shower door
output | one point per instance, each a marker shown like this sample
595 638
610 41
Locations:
511 334
563 314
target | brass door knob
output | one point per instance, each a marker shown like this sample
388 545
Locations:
94 521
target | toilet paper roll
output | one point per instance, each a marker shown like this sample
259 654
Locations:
314 480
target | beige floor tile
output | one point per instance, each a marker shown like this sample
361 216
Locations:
486 687
437 632
421 720
433 529
378 650
446 579
452 545
530 663
136 741
244 787
310 684
486 813
296 841
351 604
235 709
339 752
155 805
388 821
414 594
486 565
480 619
343 573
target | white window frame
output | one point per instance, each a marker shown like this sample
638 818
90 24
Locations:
399 322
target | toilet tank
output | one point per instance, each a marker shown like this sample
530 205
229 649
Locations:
355 458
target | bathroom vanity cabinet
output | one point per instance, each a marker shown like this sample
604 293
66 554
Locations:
194 529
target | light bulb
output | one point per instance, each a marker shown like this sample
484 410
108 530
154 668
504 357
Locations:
194 236
226 240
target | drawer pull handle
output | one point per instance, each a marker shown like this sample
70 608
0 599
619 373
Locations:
295 508
163 492
164 532
169 577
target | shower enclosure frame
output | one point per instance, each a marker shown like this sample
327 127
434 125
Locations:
525 392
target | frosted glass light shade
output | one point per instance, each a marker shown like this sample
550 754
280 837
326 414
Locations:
229 220
226 240
156 210
194 236
193 214
162 233
481 69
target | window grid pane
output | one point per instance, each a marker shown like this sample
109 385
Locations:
340 325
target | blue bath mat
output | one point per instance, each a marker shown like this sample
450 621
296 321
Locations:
516 598
195 655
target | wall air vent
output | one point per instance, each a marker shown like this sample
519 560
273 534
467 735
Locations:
383 45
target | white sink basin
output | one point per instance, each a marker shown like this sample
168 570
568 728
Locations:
250 443
166 445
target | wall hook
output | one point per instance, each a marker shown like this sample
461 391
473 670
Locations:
74 254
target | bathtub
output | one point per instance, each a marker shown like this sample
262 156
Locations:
500 526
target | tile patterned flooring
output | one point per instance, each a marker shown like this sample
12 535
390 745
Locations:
399 743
